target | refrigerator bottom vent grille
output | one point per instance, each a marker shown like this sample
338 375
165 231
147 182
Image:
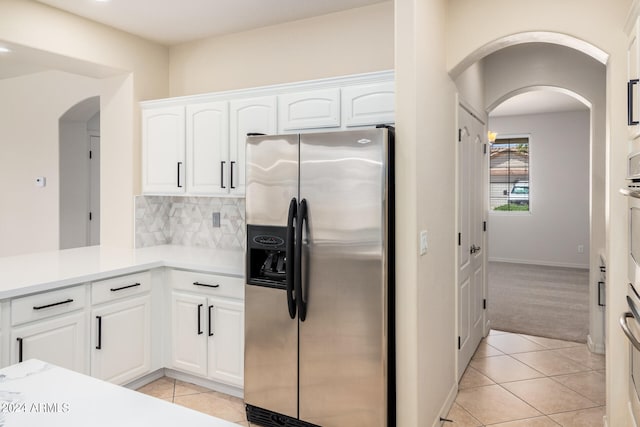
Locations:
268 418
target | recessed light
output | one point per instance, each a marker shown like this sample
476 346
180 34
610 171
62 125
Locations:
4 49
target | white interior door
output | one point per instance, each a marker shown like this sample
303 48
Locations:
471 236
93 235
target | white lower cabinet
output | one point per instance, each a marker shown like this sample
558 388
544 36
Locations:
121 340
60 341
208 337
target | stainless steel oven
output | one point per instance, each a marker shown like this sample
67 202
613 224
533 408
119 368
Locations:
630 320
630 323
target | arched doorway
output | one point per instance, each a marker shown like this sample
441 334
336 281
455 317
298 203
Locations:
522 67
79 158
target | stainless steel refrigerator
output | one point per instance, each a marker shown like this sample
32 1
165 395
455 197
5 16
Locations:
319 298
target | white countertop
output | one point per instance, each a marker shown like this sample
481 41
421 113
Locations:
34 393
25 274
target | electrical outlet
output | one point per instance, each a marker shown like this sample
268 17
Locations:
216 219
580 249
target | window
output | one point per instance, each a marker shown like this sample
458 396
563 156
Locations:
509 175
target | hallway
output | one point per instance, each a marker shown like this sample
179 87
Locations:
520 380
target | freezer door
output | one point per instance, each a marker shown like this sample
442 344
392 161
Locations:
271 179
343 343
271 351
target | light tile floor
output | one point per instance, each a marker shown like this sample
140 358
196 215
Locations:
519 380
512 381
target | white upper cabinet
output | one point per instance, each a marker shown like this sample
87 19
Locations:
367 105
253 115
163 150
309 110
208 148
633 76
196 145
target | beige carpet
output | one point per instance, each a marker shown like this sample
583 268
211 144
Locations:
538 300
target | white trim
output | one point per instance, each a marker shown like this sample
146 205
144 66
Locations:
147 379
540 262
278 89
204 382
593 347
446 407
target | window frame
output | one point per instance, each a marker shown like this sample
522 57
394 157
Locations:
530 168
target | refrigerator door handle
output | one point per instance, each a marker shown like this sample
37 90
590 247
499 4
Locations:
302 218
290 257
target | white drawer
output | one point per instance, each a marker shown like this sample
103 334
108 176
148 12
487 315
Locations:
120 287
210 284
47 304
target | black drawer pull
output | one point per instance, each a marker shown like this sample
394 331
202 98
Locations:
99 346
19 350
199 319
40 307
205 285
124 287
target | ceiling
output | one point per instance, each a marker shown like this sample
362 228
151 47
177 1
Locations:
537 102
172 22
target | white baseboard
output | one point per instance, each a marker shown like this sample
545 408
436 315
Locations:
143 381
593 347
538 262
212 385
446 407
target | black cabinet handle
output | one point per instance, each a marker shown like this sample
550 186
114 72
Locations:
179 164
603 269
40 307
99 345
289 266
232 163
630 85
19 350
222 174
206 286
199 319
600 290
210 331
124 287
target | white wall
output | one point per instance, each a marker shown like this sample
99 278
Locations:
353 41
29 112
558 220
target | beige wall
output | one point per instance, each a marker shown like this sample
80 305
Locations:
600 23
425 186
349 42
79 45
29 111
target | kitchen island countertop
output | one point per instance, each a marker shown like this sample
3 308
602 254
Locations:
34 393
43 271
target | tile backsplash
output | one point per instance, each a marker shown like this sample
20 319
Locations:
188 221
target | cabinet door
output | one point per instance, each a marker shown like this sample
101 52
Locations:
226 341
309 110
121 344
633 73
163 150
368 105
255 115
60 341
189 339
208 148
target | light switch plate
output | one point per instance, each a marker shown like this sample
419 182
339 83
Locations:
215 219
423 242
